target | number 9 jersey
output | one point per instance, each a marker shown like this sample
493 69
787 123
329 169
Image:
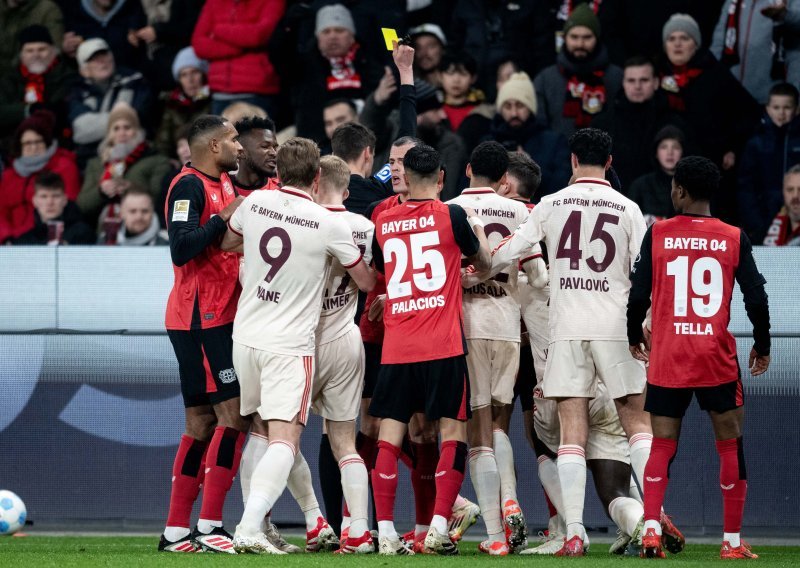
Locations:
418 245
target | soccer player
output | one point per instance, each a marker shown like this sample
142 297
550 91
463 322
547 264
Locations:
199 322
288 242
339 380
257 166
689 264
492 330
593 234
418 245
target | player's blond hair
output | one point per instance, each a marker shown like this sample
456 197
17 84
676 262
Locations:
334 173
298 162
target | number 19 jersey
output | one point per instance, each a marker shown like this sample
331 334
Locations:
289 245
418 245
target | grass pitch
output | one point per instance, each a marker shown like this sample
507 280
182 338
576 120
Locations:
63 552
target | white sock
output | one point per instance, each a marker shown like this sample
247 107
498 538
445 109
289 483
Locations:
386 529
439 523
732 538
205 526
625 512
301 488
640 450
655 525
253 452
420 530
355 486
459 502
572 475
267 484
174 534
548 476
504 455
633 491
486 481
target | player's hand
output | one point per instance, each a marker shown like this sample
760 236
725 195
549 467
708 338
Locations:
386 87
376 308
640 352
758 363
403 56
227 213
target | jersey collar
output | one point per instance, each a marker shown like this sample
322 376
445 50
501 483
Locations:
477 190
296 192
593 180
335 207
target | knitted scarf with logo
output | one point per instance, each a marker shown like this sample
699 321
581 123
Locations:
586 89
343 73
674 84
34 83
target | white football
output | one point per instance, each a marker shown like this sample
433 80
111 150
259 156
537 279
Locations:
12 512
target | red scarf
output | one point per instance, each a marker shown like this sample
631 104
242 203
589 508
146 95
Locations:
780 232
34 83
343 73
585 98
730 51
117 168
675 84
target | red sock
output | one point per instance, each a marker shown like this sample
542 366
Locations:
423 480
656 476
187 470
222 463
367 448
384 481
733 481
551 510
449 476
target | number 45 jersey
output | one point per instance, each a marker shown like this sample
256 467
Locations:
593 234
289 245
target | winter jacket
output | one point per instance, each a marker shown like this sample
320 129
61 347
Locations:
126 15
16 193
548 148
232 36
14 20
76 232
551 88
178 112
58 83
765 158
147 173
651 192
755 45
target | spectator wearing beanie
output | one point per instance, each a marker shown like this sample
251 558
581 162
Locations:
124 159
232 36
429 44
582 83
652 192
15 16
41 80
188 100
515 127
35 150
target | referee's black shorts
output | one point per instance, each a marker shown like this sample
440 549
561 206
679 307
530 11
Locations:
372 365
205 363
439 388
673 402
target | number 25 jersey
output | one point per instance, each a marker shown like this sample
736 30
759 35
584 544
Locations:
418 245
289 245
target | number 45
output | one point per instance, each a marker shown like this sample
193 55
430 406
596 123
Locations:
569 245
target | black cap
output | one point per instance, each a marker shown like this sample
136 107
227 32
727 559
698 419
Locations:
35 34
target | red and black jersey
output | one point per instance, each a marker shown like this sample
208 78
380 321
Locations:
689 264
418 246
244 190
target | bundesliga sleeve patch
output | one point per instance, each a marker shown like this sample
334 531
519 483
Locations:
384 174
180 211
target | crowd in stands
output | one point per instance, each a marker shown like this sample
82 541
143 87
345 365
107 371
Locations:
96 96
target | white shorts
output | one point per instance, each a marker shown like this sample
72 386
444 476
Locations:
574 367
492 366
536 315
339 380
607 440
276 386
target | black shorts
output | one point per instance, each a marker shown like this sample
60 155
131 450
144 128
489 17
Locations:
673 402
526 378
372 365
205 363
439 388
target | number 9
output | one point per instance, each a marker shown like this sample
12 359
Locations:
275 262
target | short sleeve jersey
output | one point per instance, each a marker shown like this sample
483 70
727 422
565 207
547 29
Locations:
491 308
289 243
418 245
694 265
593 235
340 298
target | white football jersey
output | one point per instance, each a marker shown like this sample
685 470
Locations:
593 235
491 308
340 298
289 245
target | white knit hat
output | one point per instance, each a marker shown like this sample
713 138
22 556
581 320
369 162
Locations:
334 16
186 57
518 87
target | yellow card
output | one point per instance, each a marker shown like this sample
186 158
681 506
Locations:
389 35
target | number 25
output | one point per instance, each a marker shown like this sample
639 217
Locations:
420 260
